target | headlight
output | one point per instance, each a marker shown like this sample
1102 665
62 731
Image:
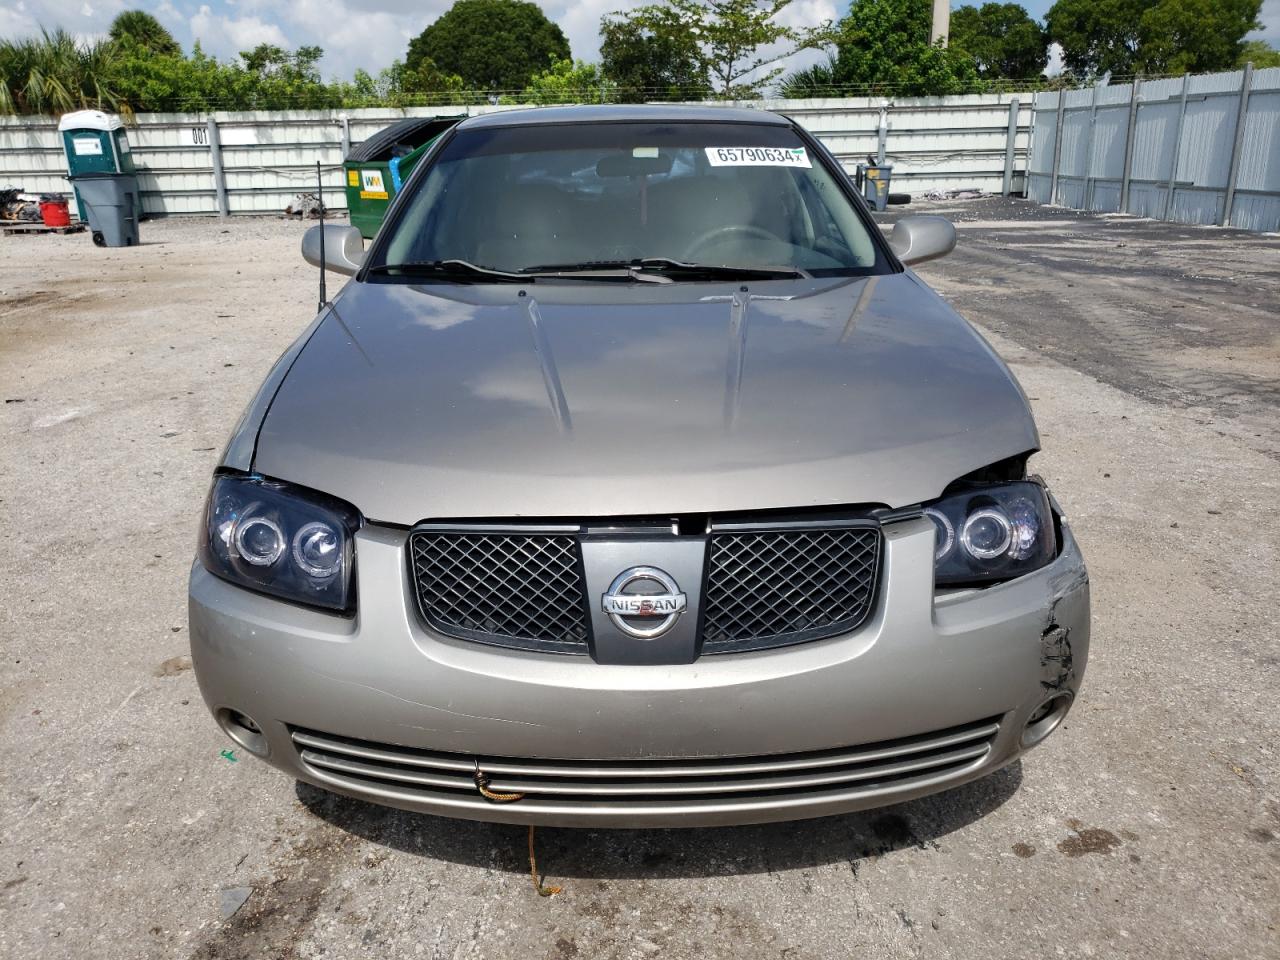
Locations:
991 532
289 543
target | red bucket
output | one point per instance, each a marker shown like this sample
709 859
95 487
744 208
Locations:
55 213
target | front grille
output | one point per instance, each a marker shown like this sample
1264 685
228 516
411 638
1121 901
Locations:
512 589
387 770
769 588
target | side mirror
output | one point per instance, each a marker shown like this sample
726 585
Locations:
343 248
919 238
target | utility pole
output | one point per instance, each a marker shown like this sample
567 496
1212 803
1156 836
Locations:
941 21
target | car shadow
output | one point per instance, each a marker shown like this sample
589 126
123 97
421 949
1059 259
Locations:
665 853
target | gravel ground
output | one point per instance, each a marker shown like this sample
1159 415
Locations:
1149 826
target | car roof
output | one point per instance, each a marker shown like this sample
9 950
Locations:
612 113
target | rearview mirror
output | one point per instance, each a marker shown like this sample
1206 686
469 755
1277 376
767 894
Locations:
343 248
916 239
629 165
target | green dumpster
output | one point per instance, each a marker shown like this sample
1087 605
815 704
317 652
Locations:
376 168
96 142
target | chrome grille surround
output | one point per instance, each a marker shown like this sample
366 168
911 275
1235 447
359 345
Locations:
512 588
408 774
799 582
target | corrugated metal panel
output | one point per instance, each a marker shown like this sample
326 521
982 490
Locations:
1255 211
1108 96
1266 79
1196 206
1078 98
1039 187
1104 196
1154 139
1208 133
1260 148
1216 83
1075 143
1106 157
1146 200
1071 192
1153 91
1046 134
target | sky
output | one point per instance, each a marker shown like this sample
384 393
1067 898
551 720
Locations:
370 33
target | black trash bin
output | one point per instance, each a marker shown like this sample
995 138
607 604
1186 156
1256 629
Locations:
110 200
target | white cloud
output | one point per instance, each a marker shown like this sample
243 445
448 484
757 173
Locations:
1055 65
16 22
1270 19
226 36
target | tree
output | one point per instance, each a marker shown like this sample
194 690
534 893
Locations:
427 83
1002 39
1258 52
397 86
140 29
1194 36
1123 37
567 81
884 45
492 44
729 35
656 60
1096 36
55 73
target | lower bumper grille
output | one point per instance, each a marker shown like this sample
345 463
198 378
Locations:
409 773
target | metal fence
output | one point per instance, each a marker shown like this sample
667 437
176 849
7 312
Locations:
257 162
1196 149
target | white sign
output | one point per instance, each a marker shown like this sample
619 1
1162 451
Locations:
371 186
87 146
227 136
758 157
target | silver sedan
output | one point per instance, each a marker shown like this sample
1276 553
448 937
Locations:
634 480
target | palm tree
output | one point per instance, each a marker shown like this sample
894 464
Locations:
141 29
53 74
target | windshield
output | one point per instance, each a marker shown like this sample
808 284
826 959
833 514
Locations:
552 199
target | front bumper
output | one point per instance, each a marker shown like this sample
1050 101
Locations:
925 696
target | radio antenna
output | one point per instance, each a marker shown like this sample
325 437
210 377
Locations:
320 199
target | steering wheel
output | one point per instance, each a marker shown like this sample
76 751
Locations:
716 234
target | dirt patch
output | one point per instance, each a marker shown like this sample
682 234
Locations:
172 667
1088 840
25 301
276 919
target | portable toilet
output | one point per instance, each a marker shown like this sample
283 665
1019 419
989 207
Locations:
95 142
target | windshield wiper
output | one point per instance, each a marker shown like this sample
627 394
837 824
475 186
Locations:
459 270
654 267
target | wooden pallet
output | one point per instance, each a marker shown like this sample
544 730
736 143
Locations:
27 226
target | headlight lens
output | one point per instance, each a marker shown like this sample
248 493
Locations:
988 533
289 543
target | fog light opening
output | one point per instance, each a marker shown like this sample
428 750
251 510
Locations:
1045 718
243 729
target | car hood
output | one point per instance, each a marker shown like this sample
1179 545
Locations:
442 401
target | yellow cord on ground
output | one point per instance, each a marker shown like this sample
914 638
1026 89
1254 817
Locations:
550 891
